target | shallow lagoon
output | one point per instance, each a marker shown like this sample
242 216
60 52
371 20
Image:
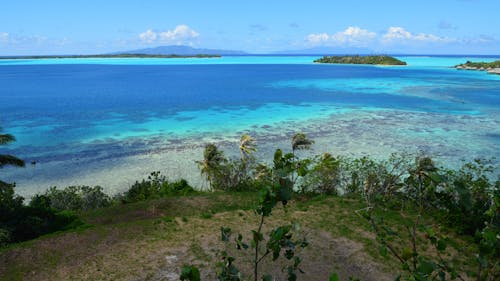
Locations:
112 121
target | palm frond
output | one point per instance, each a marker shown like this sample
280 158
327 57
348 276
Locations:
10 160
247 145
6 138
300 141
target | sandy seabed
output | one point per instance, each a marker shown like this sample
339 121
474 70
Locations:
116 165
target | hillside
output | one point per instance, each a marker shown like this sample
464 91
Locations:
182 51
320 218
152 240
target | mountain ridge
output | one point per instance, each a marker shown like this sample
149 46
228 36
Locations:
181 50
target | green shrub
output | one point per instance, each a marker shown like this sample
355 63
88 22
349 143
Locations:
155 186
4 237
72 198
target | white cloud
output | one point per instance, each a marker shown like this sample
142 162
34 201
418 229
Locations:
148 36
352 36
181 34
4 37
316 38
396 33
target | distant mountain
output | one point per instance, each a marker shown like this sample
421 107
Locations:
182 51
327 51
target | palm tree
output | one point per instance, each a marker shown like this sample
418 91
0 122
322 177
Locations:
247 146
210 166
6 159
299 142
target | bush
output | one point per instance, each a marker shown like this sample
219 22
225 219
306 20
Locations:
155 186
468 195
72 198
30 222
324 176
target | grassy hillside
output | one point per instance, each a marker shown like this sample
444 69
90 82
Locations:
152 240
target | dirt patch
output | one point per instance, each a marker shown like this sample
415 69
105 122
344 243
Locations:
324 255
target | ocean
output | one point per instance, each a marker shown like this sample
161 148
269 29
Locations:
110 122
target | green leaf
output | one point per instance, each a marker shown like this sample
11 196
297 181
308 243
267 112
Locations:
291 274
296 262
190 273
257 236
225 234
267 277
441 245
426 267
442 275
334 277
383 250
284 194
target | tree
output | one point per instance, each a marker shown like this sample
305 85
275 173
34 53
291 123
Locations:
6 159
247 146
212 164
300 142
10 203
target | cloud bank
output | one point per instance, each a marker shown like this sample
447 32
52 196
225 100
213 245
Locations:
351 36
354 36
181 34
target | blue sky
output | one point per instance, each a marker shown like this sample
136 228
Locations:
30 27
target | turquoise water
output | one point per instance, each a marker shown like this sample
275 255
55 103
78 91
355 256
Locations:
73 116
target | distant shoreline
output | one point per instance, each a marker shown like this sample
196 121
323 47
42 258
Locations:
109 56
489 67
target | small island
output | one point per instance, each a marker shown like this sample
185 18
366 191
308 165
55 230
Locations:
490 67
111 56
376 60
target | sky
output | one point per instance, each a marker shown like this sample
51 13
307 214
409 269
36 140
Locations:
34 27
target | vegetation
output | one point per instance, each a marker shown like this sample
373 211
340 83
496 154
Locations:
378 60
154 187
435 223
111 56
19 222
465 200
479 65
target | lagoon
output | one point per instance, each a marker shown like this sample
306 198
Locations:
110 122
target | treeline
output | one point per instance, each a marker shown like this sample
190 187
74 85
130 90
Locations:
378 60
479 65
104 56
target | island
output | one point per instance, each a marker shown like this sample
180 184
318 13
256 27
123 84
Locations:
111 56
377 60
490 67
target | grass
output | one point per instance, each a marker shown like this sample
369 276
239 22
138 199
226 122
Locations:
132 241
